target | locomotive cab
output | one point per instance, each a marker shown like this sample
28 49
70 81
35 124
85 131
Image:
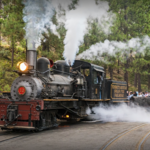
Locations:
90 72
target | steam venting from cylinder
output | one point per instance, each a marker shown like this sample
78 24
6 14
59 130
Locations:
76 22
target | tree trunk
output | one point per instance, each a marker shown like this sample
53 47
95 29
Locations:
126 73
135 80
12 57
126 78
148 68
118 67
0 4
148 82
0 23
126 32
139 82
26 49
105 71
111 73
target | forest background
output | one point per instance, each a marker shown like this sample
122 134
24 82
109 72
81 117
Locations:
132 20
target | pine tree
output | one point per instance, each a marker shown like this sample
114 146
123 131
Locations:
0 21
132 21
11 50
12 26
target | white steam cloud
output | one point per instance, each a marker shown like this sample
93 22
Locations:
138 45
37 16
76 23
121 112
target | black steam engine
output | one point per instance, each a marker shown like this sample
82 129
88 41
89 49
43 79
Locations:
45 92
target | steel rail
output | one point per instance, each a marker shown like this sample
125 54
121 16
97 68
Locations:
120 135
143 140
14 138
2 134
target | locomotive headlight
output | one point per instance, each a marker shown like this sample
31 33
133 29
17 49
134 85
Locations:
23 66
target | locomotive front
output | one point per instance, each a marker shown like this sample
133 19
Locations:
25 88
21 108
29 85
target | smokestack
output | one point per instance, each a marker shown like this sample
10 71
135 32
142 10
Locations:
31 57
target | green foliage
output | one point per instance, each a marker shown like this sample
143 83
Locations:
132 20
52 46
95 34
14 45
7 75
12 25
6 87
73 4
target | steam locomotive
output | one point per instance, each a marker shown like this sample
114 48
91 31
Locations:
45 92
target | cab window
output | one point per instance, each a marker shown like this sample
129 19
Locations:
95 80
97 77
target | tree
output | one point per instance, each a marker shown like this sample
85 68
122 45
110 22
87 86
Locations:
12 26
11 49
132 21
0 21
52 46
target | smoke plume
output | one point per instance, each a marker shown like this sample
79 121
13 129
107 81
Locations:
37 16
76 23
137 45
121 112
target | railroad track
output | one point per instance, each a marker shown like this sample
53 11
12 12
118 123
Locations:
9 135
142 141
116 138
6 133
11 138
